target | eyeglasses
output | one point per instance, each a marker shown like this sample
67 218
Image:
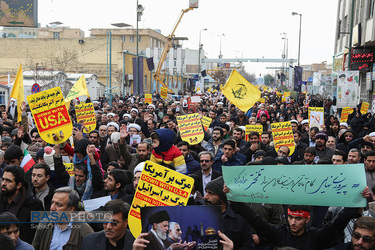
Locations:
350 136
365 146
114 223
204 161
365 239
94 137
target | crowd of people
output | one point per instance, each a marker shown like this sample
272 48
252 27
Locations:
109 160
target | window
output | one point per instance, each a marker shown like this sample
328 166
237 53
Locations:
56 35
2 97
131 39
139 38
371 8
123 38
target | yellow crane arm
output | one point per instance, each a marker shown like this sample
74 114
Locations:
166 49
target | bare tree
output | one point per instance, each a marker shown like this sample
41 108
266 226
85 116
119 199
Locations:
251 78
50 72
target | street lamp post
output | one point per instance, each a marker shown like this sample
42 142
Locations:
199 52
299 43
140 9
284 50
220 55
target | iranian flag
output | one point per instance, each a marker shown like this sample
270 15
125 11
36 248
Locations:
27 161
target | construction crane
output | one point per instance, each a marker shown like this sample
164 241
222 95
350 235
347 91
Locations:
168 46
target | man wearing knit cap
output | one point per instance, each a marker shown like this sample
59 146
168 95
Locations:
234 226
322 151
6 132
259 155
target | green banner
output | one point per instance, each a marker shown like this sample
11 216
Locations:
319 185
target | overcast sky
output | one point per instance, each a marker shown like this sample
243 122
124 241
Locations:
252 28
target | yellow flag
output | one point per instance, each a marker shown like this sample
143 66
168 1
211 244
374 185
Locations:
79 89
18 93
240 92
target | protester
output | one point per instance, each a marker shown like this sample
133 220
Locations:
115 234
165 153
62 234
234 226
17 198
42 189
9 225
109 161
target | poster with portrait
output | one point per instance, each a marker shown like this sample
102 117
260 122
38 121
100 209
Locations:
316 117
347 88
190 223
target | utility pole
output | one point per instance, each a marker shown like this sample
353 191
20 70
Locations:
199 54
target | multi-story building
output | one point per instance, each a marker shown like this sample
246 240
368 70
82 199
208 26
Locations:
355 29
70 52
147 38
54 30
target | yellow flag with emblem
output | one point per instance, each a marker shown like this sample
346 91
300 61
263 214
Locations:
79 89
240 92
18 93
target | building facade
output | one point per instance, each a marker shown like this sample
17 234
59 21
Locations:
52 79
355 42
71 53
